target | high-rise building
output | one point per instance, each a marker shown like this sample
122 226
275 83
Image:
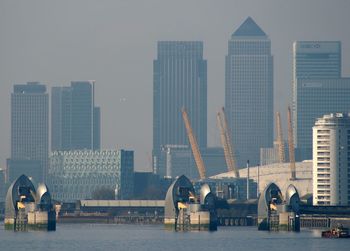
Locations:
61 106
331 160
317 89
76 175
29 130
179 80
249 91
314 98
75 121
316 59
97 129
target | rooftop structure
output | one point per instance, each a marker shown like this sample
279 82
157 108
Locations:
278 173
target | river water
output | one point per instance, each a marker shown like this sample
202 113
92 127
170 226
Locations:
79 237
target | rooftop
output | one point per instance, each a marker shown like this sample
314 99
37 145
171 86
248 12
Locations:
249 28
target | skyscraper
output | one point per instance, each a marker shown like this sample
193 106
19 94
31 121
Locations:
179 80
29 130
75 121
249 91
316 59
318 89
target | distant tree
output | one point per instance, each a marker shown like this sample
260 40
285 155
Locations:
103 193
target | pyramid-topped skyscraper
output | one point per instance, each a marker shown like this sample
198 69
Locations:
249 28
249 91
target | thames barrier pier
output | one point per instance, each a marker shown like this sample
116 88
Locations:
184 210
29 208
278 213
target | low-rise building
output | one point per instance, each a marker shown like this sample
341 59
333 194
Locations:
179 161
76 175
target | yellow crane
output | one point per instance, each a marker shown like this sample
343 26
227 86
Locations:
194 145
291 146
280 143
226 142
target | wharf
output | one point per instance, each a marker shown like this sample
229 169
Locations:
142 220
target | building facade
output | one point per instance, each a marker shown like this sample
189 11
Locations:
313 60
314 98
179 161
270 155
30 128
2 186
179 80
76 175
249 91
331 160
75 121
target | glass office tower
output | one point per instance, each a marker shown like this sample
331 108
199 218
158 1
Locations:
313 95
179 80
249 91
29 131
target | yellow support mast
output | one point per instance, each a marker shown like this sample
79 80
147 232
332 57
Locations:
280 143
194 145
226 142
291 146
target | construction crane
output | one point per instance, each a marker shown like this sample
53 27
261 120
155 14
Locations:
194 145
291 146
280 143
226 142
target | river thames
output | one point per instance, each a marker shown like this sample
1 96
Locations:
79 237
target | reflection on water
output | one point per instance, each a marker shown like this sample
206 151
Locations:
80 237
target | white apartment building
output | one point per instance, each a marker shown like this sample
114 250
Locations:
331 160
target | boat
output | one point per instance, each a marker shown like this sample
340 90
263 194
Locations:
338 232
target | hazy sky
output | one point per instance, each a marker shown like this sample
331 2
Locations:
114 43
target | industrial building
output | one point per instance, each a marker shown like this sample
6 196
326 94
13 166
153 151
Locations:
331 155
75 175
